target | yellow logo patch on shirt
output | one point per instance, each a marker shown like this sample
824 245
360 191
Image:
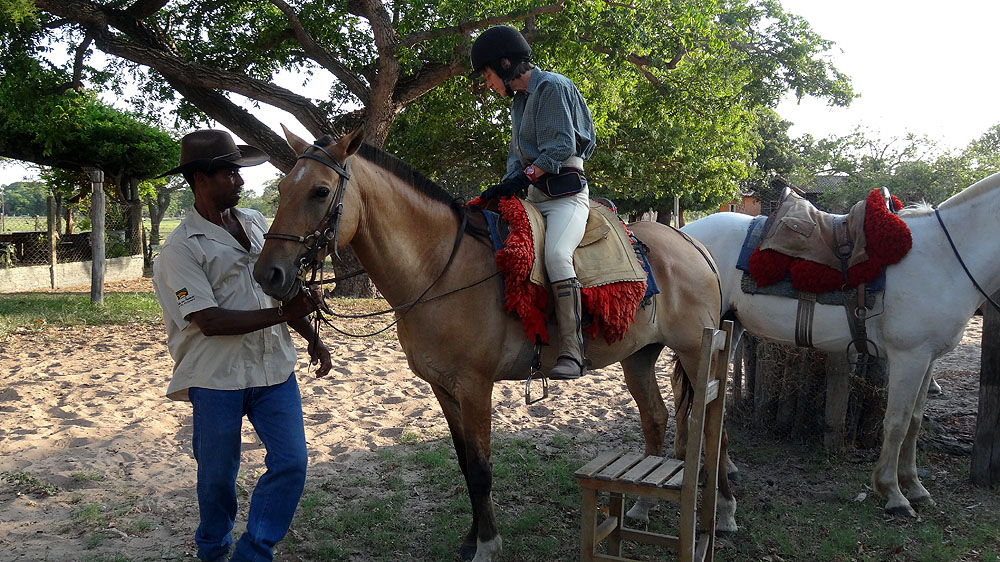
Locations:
181 293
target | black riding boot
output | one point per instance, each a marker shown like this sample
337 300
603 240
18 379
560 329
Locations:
569 311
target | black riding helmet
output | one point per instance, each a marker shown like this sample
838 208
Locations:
498 42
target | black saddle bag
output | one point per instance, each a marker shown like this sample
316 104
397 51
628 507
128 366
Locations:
567 182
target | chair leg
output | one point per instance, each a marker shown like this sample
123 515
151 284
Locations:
616 509
588 524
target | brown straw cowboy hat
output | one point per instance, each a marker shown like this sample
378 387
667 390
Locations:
211 149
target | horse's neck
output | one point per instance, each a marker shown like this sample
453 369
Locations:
404 238
971 220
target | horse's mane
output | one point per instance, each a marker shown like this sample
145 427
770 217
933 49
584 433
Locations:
405 172
916 209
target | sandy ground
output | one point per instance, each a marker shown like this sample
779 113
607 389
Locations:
84 409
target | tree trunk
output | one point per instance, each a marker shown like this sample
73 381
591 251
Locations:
157 207
985 470
133 229
359 287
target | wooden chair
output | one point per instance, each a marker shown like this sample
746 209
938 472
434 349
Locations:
657 478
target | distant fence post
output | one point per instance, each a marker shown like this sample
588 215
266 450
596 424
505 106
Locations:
97 209
50 203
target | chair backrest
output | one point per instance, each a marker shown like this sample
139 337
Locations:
705 435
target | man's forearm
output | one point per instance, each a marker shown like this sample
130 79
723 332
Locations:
224 322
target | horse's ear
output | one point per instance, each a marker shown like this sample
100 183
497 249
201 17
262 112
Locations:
297 144
352 141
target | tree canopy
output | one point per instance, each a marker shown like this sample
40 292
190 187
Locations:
674 85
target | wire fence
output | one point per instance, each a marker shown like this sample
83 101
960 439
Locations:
25 240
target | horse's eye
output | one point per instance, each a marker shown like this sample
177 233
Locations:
322 192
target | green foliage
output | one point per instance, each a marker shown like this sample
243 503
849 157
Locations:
674 86
913 168
25 198
26 483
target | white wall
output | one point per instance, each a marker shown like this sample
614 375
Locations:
67 274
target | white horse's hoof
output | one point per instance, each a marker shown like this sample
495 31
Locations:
725 520
488 551
640 511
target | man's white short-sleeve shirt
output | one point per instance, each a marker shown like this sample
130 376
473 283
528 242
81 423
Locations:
202 266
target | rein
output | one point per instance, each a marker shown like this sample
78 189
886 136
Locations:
962 262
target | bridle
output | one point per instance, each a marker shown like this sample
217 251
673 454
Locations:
326 231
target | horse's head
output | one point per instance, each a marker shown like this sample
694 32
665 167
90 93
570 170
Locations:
316 209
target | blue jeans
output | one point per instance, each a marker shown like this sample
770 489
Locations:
276 415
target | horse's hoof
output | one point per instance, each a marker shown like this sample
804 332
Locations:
902 511
922 501
467 551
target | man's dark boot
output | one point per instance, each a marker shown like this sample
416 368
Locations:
569 311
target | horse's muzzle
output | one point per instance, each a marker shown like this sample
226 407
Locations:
276 282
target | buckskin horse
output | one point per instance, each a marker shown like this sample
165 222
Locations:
928 299
408 234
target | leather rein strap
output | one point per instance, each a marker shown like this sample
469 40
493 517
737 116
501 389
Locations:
962 262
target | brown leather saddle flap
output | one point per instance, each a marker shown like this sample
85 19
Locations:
800 230
605 254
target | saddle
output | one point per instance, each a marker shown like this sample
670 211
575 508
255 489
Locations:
827 255
823 252
610 264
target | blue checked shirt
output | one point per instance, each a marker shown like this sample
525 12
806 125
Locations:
551 122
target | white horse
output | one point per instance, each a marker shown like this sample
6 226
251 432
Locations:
927 302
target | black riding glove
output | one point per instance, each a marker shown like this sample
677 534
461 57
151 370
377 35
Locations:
507 187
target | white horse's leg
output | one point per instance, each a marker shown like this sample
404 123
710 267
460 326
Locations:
906 380
908 479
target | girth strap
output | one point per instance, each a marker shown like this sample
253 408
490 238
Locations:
804 319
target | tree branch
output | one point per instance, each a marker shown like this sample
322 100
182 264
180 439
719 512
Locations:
240 122
324 57
469 26
81 51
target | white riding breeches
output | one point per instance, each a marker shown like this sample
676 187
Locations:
565 225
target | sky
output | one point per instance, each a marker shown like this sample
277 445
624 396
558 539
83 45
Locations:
920 67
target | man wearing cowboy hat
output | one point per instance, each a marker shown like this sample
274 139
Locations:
232 352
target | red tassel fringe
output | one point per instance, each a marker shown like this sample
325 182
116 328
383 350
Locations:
515 261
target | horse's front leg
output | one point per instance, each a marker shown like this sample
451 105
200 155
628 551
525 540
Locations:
906 380
470 424
453 415
476 409
908 479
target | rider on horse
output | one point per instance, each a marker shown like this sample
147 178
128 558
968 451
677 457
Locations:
553 134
